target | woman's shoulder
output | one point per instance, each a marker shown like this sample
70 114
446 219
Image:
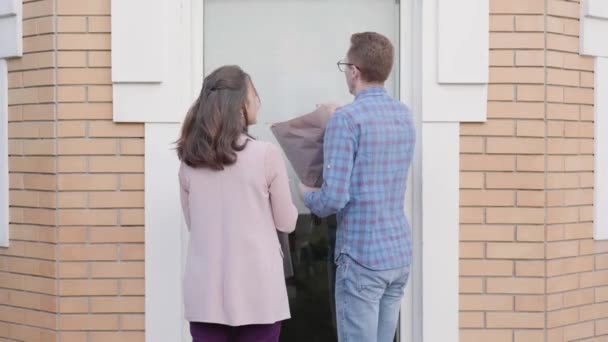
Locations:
266 154
261 147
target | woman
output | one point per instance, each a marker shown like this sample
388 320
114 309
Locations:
235 196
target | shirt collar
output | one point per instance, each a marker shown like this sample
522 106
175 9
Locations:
371 91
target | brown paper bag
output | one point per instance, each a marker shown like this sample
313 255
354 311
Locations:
302 140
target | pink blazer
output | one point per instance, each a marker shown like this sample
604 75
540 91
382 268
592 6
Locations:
234 270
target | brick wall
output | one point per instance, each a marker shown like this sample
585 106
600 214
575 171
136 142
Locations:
529 268
28 294
100 187
502 281
75 267
577 296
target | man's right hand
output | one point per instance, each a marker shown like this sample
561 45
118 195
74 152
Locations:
328 108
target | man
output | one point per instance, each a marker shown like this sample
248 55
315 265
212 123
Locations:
368 149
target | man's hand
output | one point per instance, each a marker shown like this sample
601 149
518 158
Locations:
306 189
327 109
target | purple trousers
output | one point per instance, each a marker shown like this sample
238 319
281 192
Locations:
208 332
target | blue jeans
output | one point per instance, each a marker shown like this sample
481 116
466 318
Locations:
367 301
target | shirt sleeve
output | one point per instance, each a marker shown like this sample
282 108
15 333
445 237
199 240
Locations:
284 212
339 148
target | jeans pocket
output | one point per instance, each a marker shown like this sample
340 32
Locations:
371 292
370 285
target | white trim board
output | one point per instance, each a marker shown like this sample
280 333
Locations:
11 45
593 36
594 25
135 48
601 150
164 227
459 98
157 89
463 48
4 183
11 28
411 311
158 93
440 238
595 8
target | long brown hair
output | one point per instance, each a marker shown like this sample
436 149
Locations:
216 121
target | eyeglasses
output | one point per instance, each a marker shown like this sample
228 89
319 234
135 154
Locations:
343 64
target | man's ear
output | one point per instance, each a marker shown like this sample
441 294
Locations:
356 73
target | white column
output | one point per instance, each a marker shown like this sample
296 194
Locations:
440 238
11 45
594 25
454 90
600 204
4 184
164 228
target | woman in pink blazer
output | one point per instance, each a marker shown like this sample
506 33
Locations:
235 196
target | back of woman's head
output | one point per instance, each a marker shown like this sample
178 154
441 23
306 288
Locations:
216 121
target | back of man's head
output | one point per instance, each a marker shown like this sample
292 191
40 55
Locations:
373 54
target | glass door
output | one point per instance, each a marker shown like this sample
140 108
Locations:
290 49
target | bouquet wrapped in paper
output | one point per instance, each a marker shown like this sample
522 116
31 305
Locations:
302 140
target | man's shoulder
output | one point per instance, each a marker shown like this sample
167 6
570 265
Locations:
342 114
354 112
351 113
396 104
346 110
376 103
353 107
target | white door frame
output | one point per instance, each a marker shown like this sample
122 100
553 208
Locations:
411 322
411 308
440 100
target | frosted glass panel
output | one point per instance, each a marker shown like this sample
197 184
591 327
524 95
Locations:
290 49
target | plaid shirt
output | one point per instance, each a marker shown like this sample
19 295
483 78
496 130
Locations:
368 149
